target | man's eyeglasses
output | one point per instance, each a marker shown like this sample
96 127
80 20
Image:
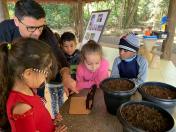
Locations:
32 28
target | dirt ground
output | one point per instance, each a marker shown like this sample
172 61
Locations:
173 58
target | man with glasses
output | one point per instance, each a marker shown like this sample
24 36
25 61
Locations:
32 29
29 21
129 64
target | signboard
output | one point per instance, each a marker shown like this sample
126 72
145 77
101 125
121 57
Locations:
95 26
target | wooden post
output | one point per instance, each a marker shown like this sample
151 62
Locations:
80 24
4 14
167 44
78 19
75 18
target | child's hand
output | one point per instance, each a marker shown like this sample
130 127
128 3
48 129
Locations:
58 118
61 128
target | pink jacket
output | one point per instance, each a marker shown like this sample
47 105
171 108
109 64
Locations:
86 78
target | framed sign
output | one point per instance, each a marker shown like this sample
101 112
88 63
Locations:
95 26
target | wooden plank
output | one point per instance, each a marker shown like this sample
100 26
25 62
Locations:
63 1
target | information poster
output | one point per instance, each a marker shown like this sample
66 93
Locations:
95 26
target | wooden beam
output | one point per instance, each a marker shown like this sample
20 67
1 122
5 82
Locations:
4 14
170 28
78 20
74 9
63 1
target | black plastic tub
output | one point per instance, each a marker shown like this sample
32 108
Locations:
114 98
129 127
168 104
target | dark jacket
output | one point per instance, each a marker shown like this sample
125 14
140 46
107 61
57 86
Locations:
73 61
9 32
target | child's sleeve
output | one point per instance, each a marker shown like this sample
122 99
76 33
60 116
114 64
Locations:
115 69
143 68
25 122
81 83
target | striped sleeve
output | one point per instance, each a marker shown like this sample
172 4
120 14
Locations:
115 69
143 69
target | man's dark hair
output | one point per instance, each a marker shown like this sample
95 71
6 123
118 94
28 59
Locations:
29 8
67 36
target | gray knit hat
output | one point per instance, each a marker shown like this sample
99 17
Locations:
129 42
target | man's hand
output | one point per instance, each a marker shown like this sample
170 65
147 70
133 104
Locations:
68 82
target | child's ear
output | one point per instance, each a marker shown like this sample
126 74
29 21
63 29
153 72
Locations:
27 73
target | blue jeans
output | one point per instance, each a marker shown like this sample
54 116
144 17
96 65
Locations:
56 93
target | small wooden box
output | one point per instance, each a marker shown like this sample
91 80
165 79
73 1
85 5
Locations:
78 106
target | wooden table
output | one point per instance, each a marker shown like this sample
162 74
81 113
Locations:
99 120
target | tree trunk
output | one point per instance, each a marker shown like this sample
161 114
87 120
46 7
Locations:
72 15
125 13
88 10
129 4
119 23
167 44
132 13
4 14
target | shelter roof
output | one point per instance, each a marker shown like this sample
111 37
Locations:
62 1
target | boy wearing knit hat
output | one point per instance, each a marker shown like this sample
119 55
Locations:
129 64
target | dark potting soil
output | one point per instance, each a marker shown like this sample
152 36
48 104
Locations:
160 92
144 117
118 85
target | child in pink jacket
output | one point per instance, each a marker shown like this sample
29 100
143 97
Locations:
93 67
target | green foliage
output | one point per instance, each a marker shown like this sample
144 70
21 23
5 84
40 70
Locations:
57 15
164 7
60 15
11 9
144 10
96 6
114 5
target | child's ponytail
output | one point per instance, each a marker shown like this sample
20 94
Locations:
4 83
24 53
